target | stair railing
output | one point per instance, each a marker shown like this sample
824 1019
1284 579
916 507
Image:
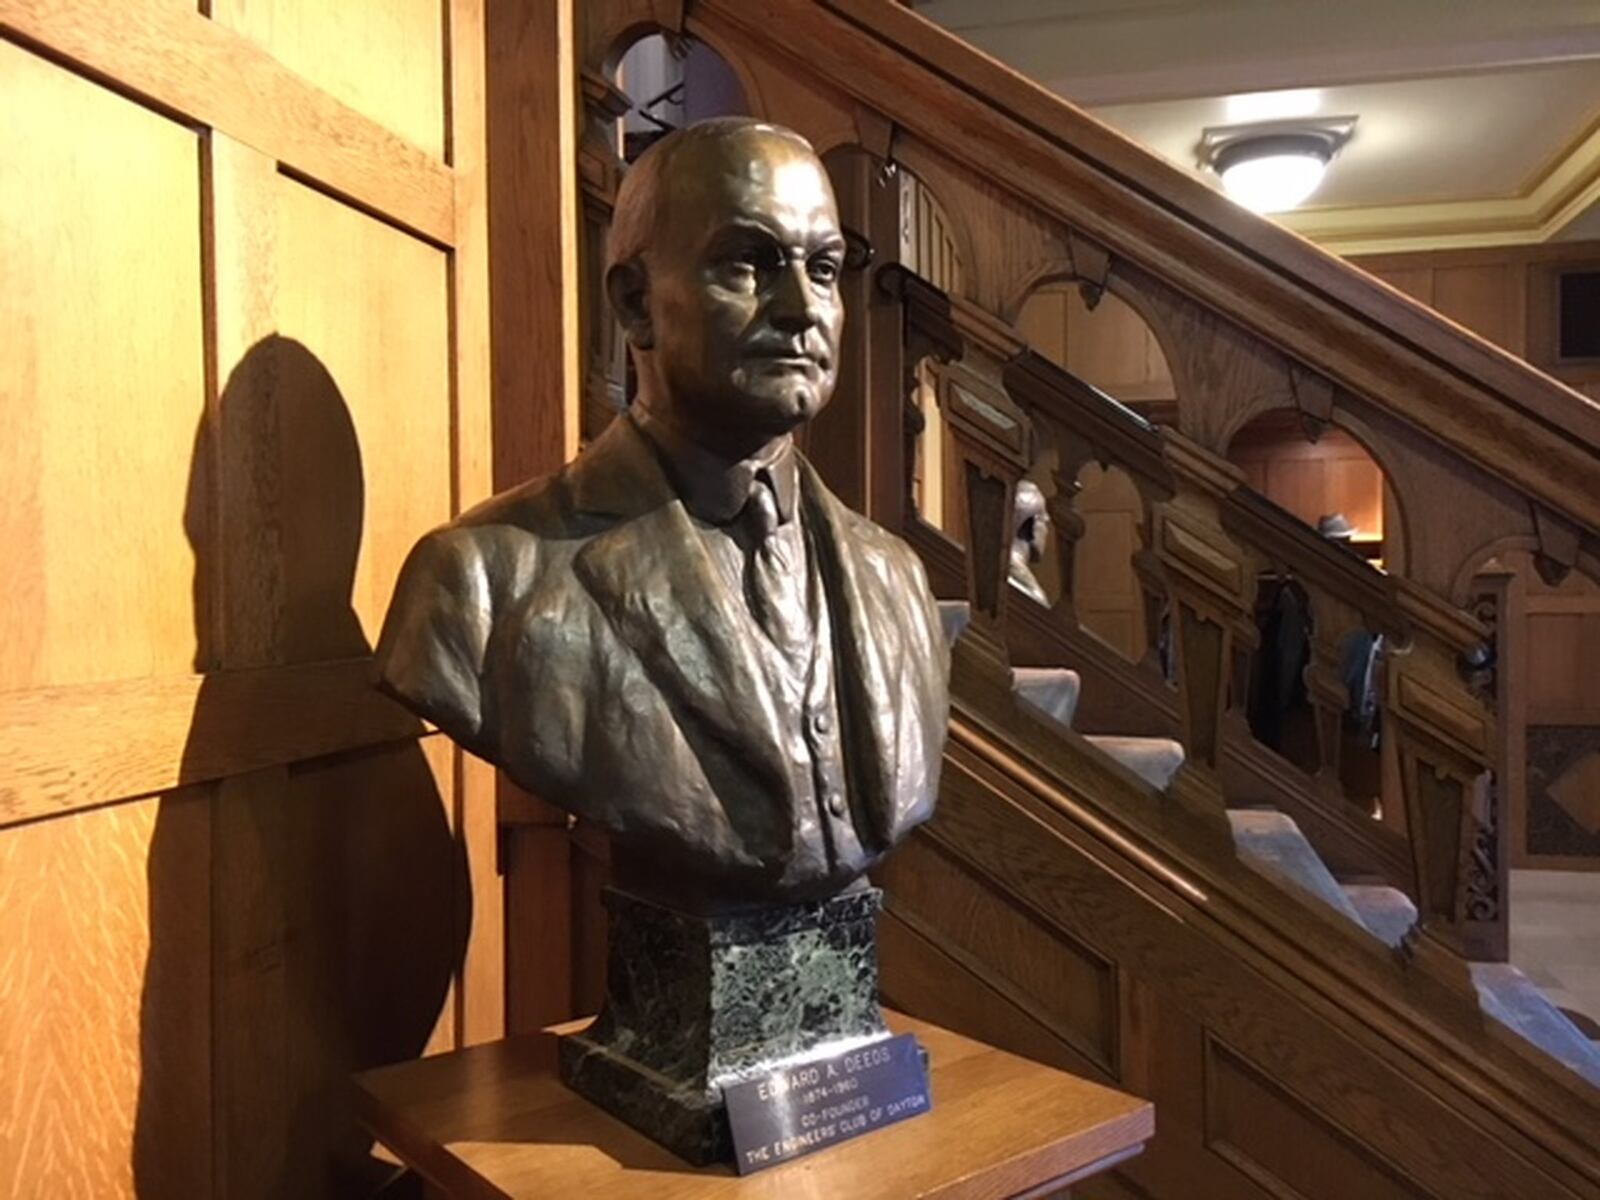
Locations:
1210 537
1248 317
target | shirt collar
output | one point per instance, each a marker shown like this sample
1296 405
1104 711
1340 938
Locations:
713 489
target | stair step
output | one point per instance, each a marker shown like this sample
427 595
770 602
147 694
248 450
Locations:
1272 843
1154 759
1513 999
1051 690
955 615
1386 911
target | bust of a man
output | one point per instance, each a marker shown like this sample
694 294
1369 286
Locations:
683 635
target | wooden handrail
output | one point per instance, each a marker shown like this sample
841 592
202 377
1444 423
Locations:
934 89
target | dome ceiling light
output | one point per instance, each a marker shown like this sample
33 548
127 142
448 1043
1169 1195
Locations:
1274 166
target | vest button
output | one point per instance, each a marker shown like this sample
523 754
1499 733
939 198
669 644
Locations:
836 804
820 723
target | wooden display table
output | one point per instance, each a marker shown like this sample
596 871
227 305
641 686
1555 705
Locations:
494 1121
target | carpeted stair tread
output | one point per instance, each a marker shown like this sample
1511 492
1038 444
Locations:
1272 843
1052 690
1154 759
1386 911
1513 999
955 615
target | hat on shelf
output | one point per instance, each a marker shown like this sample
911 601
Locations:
1336 527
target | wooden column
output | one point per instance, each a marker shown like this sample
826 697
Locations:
531 101
532 114
857 442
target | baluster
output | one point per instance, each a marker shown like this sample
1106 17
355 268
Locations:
1069 529
1071 453
1333 623
992 450
1081 425
1487 920
1444 734
1152 584
919 316
1209 593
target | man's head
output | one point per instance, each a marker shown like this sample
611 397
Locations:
1032 519
725 258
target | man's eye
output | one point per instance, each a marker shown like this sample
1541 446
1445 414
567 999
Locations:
824 270
753 258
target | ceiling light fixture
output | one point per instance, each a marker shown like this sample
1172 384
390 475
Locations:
1274 166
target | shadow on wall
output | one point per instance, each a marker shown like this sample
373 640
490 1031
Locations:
306 920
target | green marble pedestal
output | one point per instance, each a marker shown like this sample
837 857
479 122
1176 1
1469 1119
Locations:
694 1003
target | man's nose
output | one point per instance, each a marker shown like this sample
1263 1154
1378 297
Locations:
795 306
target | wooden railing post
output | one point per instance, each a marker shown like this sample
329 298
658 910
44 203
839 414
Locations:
1210 593
1074 425
1333 622
1069 529
1487 929
1444 734
993 447
911 324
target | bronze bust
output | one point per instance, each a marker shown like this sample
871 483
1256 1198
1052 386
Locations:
683 635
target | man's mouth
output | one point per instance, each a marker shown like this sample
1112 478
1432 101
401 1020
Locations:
789 362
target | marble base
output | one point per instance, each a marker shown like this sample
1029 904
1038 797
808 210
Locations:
694 1003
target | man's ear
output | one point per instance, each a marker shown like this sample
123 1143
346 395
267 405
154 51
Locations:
628 288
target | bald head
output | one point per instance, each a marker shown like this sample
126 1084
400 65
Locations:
725 256
1032 520
676 174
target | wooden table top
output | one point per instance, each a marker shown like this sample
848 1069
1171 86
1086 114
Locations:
495 1121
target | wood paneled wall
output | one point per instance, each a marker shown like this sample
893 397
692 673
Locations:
1108 345
1506 294
1333 474
247 365
1551 714
1111 347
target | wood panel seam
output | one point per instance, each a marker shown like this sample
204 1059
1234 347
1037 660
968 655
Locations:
186 64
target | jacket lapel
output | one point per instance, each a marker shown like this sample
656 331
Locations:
869 649
653 579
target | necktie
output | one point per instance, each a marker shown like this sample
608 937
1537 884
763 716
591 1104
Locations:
774 584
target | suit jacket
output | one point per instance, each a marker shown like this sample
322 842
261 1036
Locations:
575 632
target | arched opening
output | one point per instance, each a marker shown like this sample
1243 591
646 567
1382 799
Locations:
1333 476
1334 485
662 83
1542 810
1103 515
1108 345
1105 591
927 244
670 82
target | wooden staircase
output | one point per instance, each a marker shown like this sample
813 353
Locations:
1120 878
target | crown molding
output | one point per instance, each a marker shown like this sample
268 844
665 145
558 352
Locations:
1561 194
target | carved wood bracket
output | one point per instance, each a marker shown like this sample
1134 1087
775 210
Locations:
1313 396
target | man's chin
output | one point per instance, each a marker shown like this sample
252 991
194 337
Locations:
783 408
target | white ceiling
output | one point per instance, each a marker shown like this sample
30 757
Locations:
1475 122
1447 137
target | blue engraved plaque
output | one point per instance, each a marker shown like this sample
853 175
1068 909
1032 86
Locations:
819 1103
